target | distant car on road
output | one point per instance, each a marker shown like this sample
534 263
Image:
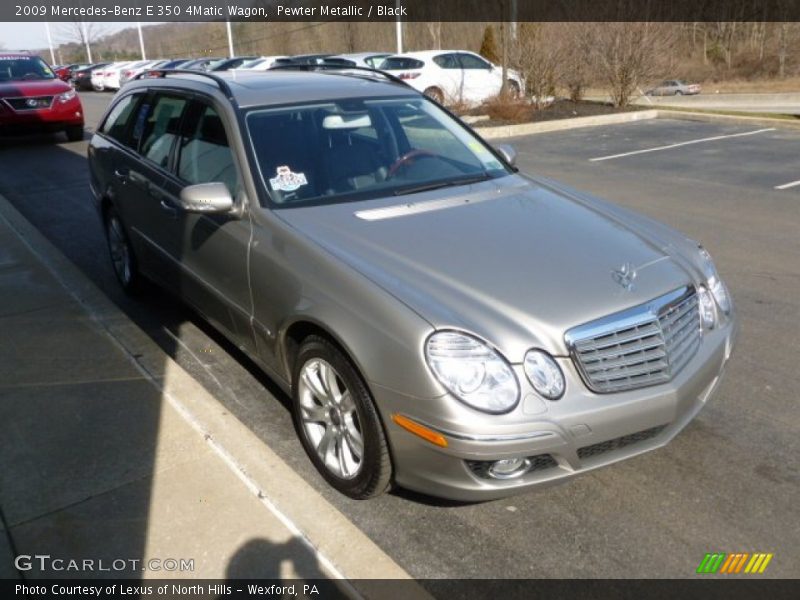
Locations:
674 87
452 76
33 99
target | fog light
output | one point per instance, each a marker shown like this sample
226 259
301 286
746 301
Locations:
509 468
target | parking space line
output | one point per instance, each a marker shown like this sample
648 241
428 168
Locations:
679 144
786 186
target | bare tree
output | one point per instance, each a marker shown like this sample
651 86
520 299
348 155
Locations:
435 29
85 33
537 54
626 55
575 72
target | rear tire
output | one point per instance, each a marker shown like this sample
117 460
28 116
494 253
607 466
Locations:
75 133
337 422
435 94
123 260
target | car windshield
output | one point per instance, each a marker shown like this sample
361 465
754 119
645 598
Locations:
23 68
359 149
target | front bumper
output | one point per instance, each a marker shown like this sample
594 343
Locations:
576 434
58 116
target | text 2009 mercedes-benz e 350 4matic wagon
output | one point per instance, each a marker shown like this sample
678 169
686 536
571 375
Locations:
442 322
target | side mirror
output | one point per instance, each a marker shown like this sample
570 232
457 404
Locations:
508 152
206 198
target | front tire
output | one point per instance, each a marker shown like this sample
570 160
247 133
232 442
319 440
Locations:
337 421
123 260
74 133
435 94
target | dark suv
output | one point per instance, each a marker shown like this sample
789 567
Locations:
33 99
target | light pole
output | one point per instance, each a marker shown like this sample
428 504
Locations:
141 40
50 43
230 39
86 42
399 29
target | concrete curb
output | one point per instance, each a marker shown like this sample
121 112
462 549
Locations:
665 113
341 546
506 131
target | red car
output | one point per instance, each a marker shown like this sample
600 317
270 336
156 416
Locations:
33 99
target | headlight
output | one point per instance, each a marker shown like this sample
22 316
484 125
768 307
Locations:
66 96
472 371
544 374
715 284
708 310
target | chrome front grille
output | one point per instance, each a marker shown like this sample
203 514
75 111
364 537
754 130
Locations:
30 103
639 347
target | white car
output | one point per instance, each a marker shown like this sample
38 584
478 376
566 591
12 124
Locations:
259 64
131 71
451 76
113 74
370 60
98 78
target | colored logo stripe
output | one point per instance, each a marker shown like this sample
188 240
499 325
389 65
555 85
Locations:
721 562
758 563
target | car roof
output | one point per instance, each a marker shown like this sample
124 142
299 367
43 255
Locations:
428 53
284 86
363 54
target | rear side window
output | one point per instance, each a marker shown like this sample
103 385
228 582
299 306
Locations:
375 61
205 154
470 61
116 124
158 127
447 61
399 63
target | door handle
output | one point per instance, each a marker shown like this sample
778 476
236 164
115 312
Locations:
169 208
121 174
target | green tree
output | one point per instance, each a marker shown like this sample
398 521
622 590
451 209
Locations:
489 49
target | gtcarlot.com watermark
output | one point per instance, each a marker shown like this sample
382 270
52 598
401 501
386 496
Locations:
48 563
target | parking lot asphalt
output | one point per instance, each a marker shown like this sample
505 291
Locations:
728 483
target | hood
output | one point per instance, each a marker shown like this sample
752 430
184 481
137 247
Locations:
25 89
512 261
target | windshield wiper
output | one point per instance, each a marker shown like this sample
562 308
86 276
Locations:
426 187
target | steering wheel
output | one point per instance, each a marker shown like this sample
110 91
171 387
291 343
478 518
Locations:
408 158
31 75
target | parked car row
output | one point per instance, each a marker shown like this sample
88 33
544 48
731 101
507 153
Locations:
447 76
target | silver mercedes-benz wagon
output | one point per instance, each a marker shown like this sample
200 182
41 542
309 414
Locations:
441 322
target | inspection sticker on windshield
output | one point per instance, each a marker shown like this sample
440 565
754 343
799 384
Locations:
286 181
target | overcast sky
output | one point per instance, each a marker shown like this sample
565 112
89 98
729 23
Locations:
32 36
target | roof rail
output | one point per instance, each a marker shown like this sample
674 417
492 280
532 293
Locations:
323 66
163 73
